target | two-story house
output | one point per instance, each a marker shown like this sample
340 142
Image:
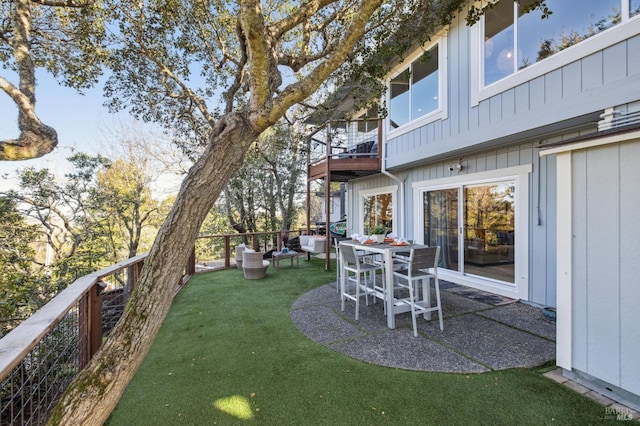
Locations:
514 145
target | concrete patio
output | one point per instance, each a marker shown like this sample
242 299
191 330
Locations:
482 332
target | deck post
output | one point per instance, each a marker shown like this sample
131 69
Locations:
95 319
83 331
308 200
89 325
227 251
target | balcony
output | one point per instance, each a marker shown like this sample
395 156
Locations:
345 150
340 151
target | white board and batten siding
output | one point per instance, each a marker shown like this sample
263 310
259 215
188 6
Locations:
540 212
599 279
552 101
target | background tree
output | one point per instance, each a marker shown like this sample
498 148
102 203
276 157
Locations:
62 210
122 205
240 196
97 215
262 195
24 289
285 155
164 161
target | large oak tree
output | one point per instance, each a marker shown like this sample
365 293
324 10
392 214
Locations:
245 47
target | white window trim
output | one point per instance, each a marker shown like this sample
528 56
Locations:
626 29
377 191
564 272
520 175
440 113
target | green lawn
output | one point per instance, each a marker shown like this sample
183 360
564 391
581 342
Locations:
229 354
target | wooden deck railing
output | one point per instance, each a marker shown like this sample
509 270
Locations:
42 355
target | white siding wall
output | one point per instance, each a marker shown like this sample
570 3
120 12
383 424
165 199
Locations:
541 214
574 93
353 199
606 264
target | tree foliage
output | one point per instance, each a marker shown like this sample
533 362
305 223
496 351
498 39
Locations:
62 210
263 195
92 218
23 288
123 206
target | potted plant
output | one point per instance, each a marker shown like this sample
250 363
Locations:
378 233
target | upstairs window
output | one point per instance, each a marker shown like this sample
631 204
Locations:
415 91
514 40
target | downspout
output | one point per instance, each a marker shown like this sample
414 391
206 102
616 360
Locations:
382 143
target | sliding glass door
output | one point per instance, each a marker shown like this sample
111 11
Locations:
483 225
441 225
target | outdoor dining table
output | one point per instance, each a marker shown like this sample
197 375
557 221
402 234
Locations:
387 250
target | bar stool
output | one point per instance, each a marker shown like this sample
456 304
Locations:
352 263
421 262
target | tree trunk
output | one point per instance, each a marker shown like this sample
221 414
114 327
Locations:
92 396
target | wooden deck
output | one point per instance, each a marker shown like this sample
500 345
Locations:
344 169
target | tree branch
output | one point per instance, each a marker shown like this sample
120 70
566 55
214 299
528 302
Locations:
340 51
167 72
264 77
63 3
239 76
36 139
300 16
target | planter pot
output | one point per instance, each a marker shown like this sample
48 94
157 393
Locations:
378 237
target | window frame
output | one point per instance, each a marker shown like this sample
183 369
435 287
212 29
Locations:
629 27
441 112
393 190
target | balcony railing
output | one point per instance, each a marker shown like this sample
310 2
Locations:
42 355
346 149
357 138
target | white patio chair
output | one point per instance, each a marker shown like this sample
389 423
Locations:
239 250
422 266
